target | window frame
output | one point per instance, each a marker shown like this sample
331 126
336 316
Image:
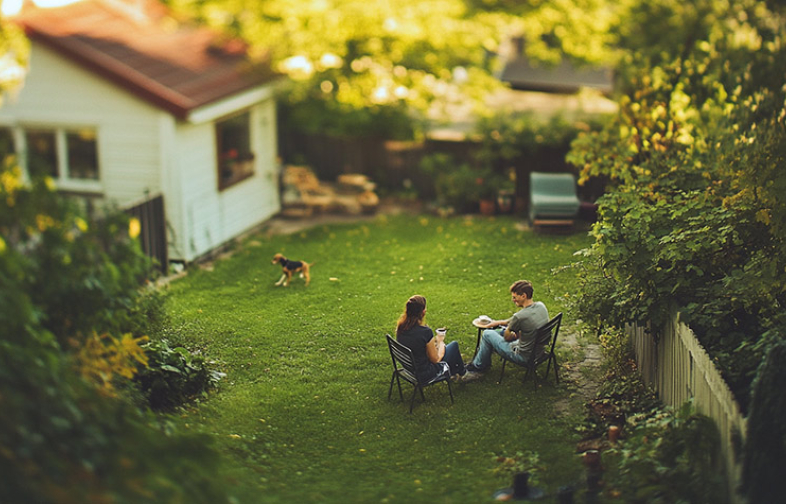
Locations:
63 180
241 166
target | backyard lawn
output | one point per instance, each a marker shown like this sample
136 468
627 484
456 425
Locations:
303 413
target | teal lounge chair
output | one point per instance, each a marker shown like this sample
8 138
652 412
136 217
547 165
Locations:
552 198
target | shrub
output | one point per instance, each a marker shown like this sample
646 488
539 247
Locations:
174 376
65 434
765 448
457 185
60 441
667 456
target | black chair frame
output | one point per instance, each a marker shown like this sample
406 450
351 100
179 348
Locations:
549 330
403 367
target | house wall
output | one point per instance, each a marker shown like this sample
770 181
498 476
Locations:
144 151
207 216
60 94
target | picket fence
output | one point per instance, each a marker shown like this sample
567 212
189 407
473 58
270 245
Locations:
679 369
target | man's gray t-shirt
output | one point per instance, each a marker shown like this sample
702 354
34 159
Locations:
526 323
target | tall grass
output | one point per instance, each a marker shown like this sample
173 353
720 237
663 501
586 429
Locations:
303 414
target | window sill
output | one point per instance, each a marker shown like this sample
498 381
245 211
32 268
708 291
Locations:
93 187
227 182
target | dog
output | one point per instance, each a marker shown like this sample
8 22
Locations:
290 268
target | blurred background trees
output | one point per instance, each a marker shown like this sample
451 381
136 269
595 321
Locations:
385 68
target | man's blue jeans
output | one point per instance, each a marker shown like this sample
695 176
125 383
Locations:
491 342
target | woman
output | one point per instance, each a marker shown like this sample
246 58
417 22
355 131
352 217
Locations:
433 359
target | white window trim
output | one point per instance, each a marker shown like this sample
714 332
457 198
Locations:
62 181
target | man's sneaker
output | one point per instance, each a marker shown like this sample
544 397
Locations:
471 376
471 367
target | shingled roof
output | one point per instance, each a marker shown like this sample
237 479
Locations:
521 74
138 47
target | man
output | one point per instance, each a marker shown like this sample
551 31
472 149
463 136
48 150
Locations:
514 337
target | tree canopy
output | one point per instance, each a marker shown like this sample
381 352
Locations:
376 67
692 219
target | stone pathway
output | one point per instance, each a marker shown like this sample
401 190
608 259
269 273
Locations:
581 376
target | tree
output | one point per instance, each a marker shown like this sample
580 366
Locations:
381 68
693 158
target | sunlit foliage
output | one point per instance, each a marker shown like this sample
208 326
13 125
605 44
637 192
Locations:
695 156
66 435
377 67
14 53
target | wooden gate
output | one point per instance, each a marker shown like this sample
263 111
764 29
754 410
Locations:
152 233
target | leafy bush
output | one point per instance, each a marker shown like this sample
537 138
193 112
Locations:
663 455
457 185
667 457
691 221
65 433
60 441
765 447
174 376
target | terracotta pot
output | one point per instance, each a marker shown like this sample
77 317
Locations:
488 207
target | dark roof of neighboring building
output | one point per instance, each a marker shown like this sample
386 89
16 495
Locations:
521 74
138 47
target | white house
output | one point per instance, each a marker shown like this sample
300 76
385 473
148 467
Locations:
121 103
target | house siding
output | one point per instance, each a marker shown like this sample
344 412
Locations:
211 218
59 94
144 151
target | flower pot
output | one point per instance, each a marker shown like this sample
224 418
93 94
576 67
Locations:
488 207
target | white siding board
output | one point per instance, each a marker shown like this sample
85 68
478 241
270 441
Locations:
212 218
144 151
128 138
198 189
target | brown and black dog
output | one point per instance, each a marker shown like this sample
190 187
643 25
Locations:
290 268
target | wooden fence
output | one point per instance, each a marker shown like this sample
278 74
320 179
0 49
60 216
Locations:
152 234
680 369
389 162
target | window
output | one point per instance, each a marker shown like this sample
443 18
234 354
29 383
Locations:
7 147
42 153
70 156
233 143
82 154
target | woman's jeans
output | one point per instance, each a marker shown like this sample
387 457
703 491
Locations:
453 358
491 342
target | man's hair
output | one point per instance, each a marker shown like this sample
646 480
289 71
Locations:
522 287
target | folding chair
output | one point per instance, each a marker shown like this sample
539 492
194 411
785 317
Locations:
403 367
546 336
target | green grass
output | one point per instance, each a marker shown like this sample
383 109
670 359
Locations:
303 413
